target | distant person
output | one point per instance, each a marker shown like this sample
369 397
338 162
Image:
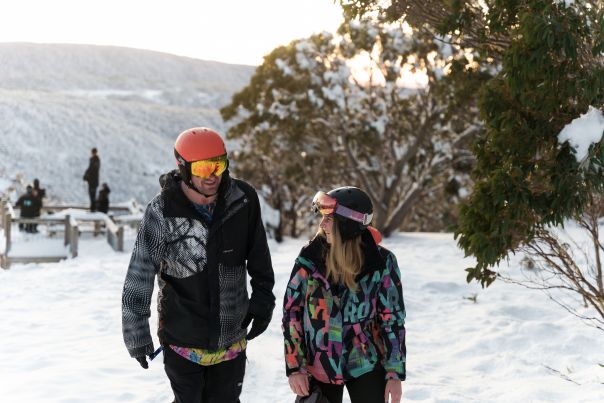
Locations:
28 203
201 236
343 310
40 194
92 177
102 202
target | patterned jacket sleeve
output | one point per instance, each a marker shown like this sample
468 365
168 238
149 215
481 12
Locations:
138 286
293 321
391 310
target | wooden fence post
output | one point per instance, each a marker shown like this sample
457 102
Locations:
2 210
120 238
75 234
3 218
7 228
67 236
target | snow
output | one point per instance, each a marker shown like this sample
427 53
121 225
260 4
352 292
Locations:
61 332
284 67
4 185
78 214
336 94
380 124
270 216
582 132
567 3
36 245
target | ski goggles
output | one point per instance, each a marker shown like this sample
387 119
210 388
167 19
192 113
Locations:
326 205
206 168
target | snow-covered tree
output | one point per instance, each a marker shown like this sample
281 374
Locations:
338 110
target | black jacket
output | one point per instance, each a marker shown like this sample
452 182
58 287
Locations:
39 194
102 201
29 205
201 270
92 172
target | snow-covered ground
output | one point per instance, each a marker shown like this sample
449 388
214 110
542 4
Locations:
62 342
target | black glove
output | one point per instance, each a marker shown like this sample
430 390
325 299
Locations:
259 325
260 310
143 362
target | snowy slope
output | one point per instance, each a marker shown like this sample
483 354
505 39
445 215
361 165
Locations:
59 101
61 334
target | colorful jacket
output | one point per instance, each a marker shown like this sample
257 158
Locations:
337 334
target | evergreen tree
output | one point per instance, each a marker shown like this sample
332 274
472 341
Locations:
550 72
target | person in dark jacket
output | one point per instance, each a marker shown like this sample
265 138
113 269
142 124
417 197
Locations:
343 309
91 175
102 201
202 235
39 193
28 203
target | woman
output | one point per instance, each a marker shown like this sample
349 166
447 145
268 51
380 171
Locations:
343 310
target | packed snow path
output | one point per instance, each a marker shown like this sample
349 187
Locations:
61 334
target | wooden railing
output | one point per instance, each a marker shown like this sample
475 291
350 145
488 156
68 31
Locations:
115 235
7 218
56 208
72 230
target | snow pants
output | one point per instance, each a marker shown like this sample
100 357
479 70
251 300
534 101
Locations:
194 383
369 387
92 195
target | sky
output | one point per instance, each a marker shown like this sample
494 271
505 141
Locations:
61 332
231 31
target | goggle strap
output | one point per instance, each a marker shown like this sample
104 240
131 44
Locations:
364 219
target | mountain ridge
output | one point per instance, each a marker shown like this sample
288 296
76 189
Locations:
59 101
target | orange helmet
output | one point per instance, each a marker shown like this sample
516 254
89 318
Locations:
198 143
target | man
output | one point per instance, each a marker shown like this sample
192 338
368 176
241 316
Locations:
200 235
92 177
39 193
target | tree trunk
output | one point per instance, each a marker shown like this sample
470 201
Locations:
401 214
294 223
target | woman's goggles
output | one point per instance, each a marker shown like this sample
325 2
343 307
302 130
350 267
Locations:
206 168
326 205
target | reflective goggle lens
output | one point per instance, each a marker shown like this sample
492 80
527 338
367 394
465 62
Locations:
323 203
326 205
205 168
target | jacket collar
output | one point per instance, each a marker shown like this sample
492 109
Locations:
177 201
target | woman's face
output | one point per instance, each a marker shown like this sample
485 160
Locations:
327 225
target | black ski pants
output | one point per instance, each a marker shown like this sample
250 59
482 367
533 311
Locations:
92 195
367 388
194 383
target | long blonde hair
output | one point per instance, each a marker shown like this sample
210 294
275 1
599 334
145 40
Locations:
344 259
